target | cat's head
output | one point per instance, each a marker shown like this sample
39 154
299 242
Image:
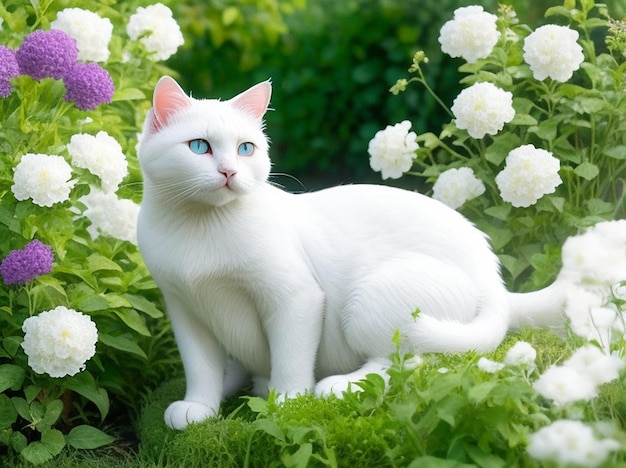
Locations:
204 151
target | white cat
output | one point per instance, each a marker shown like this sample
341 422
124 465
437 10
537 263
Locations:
303 292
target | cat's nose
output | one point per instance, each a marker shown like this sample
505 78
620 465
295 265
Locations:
228 172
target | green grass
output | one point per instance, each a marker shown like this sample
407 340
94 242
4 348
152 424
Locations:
430 417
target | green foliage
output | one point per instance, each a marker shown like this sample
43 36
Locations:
104 277
330 65
444 412
579 121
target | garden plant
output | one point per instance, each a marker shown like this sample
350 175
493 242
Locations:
533 150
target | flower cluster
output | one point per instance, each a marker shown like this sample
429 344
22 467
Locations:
91 32
157 30
553 51
472 34
23 266
102 156
9 68
110 215
457 185
529 174
42 177
483 109
58 342
570 443
53 54
392 150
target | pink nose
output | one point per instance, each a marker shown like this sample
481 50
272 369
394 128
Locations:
228 172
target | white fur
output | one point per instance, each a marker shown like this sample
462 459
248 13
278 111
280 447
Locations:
293 289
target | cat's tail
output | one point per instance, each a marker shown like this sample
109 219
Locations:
539 309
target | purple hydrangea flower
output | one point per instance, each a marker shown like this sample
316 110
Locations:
47 54
8 69
88 85
23 266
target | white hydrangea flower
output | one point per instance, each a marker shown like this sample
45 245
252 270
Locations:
521 354
530 173
110 215
455 186
91 32
45 178
392 150
552 51
102 156
472 34
568 442
164 36
489 366
600 368
565 385
58 342
482 109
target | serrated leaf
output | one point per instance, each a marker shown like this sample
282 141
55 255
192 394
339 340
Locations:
88 437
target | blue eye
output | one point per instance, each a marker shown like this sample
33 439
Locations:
200 146
246 149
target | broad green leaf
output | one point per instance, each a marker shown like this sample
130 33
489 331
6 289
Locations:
8 414
300 458
616 152
88 437
484 459
142 304
132 318
479 393
11 376
97 262
22 408
93 304
514 266
269 426
52 414
53 440
128 94
18 441
122 343
587 171
36 453
84 384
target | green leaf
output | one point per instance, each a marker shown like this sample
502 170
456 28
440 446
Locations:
142 304
53 440
230 15
587 171
97 262
483 459
36 453
269 426
128 94
132 318
300 458
18 441
84 384
499 212
88 437
11 376
51 416
22 408
616 152
93 304
122 343
258 405
479 393
8 414
514 266
12 344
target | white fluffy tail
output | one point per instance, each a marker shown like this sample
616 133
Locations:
539 309
484 333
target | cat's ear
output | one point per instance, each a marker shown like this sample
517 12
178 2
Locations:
168 99
254 100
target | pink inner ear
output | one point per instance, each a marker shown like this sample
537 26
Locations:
168 99
255 100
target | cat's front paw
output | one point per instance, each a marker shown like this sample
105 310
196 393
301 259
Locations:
182 413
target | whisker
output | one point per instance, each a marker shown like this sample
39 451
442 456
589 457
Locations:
284 174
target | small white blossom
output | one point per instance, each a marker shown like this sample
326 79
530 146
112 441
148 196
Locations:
521 354
392 150
472 34
91 32
44 178
482 109
58 342
565 385
600 368
455 186
110 215
552 51
164 36
489 366
102 156
530 173
568 442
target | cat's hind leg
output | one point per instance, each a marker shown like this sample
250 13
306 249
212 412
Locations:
337 384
